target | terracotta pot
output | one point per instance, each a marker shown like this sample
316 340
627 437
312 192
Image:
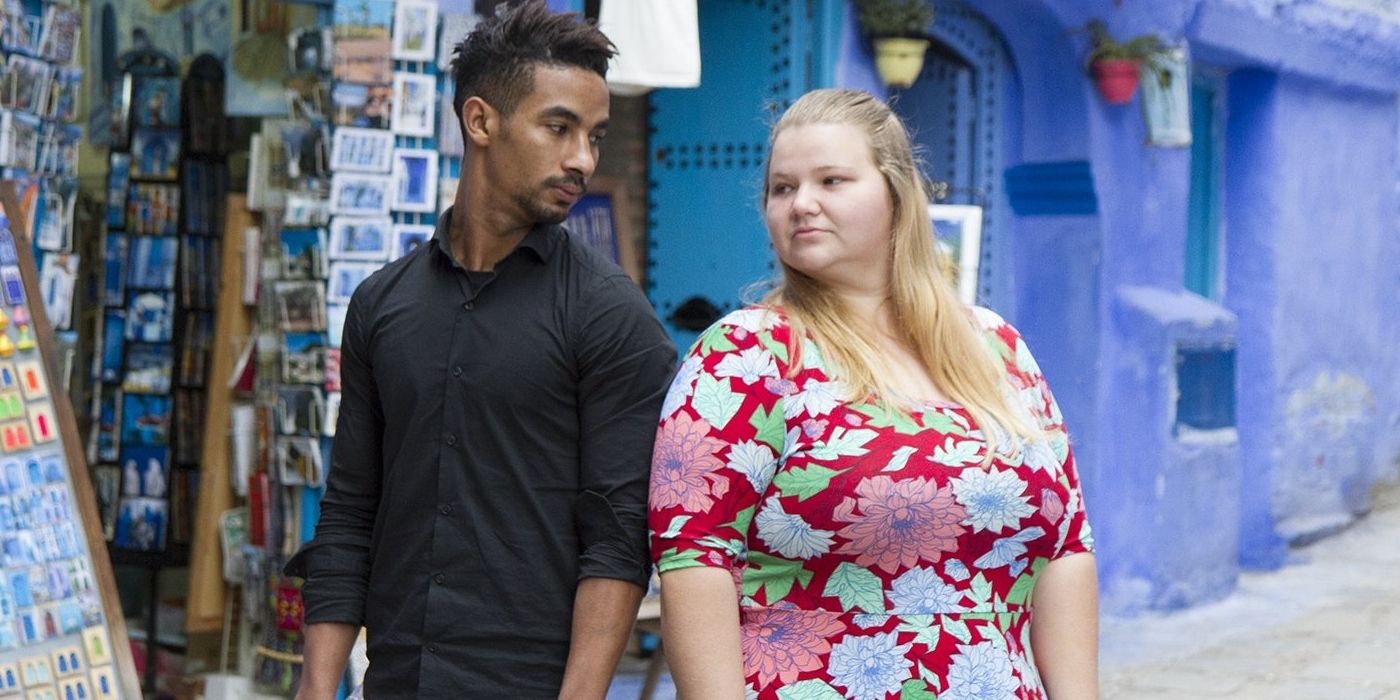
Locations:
899 60
1116 78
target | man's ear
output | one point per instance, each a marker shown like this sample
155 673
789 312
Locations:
480 120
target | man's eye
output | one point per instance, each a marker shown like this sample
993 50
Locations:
556 128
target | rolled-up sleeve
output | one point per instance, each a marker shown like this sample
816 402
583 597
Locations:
625 361
336 562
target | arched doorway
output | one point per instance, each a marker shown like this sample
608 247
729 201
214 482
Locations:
960 111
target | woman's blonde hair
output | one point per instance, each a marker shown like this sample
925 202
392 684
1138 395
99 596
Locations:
939 329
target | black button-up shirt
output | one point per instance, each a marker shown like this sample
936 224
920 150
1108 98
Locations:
493 448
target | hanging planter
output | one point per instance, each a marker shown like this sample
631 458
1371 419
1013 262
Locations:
1115 66
1116 79
899 60
898 30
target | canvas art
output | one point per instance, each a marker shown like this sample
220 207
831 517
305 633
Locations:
360 238
415 30
415 180
345 277
360 194
408 237
361 150
415 104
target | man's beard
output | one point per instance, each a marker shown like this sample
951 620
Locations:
540 212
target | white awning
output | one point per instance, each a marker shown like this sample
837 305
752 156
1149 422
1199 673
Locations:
658 44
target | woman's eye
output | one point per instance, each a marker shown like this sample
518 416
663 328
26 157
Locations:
833 180
781 189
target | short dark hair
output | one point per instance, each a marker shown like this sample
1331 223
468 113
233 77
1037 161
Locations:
496 62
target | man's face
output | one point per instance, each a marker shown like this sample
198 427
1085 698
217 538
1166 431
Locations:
548 147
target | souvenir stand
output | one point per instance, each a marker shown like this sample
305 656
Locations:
39 88
165 188
63 634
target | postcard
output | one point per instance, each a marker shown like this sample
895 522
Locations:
415 104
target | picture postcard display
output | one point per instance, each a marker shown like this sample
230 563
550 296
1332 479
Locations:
57 631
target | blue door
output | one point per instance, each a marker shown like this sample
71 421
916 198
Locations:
707 148
955 111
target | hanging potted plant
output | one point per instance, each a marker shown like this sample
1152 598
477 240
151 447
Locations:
898 29
1115 65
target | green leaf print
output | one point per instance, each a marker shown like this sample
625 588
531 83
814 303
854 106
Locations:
730 547
741 521
673 558
957 454
958 628
981 591
768 427
856 587
843 443
813 689
1020 592
916 689
804 482
923 627
778 349
884 417
941 421
714 400
775 576
674 528
716 339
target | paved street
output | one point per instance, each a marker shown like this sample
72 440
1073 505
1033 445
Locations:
1325 627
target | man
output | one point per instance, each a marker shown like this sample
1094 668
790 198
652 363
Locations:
485 512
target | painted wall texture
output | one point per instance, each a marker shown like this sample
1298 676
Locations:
1310 272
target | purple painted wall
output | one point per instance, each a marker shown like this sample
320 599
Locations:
1311 224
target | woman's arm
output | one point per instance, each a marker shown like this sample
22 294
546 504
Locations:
1065 627
700 626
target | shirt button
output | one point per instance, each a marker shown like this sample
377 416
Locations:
432 648
451 440
457 371
440 578
468 306
445 509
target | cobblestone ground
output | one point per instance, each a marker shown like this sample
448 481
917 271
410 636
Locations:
1324 627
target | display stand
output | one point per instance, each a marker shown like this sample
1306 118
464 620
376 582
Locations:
233 326
75 641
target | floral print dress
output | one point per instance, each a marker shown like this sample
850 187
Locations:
875 558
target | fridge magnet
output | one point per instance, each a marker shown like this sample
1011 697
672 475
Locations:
415 29
361 150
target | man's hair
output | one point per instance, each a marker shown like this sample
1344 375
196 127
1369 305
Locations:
496 62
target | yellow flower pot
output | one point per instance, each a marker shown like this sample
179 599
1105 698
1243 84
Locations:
899 60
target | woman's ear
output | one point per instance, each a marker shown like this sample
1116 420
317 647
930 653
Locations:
480 121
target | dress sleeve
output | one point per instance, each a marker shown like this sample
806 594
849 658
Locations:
1034 393
720 437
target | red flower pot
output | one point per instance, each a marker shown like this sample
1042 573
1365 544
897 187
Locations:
1116 78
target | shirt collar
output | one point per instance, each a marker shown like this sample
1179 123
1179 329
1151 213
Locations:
540 241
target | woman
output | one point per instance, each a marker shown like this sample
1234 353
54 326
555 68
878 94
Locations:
827 517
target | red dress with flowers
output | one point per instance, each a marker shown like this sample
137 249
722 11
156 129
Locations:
875 557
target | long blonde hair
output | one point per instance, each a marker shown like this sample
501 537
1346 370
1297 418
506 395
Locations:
938 328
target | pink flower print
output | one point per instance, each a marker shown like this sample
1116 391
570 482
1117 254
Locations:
901 522
813 428
684 468
782 643
1051 506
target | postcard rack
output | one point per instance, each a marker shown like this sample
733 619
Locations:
63 634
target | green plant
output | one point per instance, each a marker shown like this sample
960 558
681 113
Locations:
1143 47
895 18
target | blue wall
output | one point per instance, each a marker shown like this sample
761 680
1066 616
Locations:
1311 270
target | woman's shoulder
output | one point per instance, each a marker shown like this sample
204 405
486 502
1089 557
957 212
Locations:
756 318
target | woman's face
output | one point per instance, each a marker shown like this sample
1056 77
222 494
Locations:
829 210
